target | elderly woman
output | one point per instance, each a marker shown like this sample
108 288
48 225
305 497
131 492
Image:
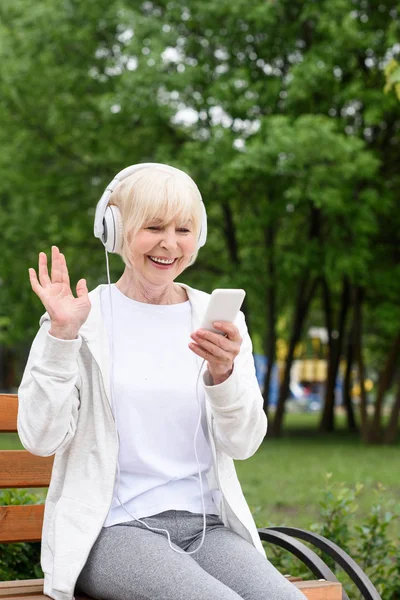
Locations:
142 504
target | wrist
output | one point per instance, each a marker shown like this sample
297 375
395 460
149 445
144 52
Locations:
63 333
220 377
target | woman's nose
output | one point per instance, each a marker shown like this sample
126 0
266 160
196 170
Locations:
169 239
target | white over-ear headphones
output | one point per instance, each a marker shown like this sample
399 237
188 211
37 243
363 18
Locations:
108 220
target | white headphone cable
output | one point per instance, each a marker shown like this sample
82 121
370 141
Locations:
113 405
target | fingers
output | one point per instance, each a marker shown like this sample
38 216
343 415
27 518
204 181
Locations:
218 346
199 351
81 288
219 368
36 287
209 349
218 350
59 270
56 267
229 344
64 270
229 329
56 270
42 270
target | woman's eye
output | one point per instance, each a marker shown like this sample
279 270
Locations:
159 228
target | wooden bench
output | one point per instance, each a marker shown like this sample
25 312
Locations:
20 469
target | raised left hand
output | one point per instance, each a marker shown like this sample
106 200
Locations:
218 350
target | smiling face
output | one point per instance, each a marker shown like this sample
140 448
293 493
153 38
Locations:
160 251
161 211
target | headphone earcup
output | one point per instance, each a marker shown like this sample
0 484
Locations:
203 230
112 235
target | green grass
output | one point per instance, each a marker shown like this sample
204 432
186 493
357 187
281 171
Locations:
284 481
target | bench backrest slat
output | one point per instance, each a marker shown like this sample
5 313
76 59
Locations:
21 469
8 412
21 523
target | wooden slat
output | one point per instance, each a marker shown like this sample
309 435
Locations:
25 586
33 589
19 468
313 590
29 588
35 586
320 590
8 412
39 597
21 523
28 597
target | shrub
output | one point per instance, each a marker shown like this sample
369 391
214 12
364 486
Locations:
365 539
376 554
21 560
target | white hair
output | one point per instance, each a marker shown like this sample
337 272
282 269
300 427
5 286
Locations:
156 193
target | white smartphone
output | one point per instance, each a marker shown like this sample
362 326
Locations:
223 305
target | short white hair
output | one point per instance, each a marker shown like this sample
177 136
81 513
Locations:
152 193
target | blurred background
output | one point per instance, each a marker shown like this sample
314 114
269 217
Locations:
287 115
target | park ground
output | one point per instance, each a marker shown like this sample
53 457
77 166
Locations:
284 481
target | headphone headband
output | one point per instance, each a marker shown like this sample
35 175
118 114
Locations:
107 220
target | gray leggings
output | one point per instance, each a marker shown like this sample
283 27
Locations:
130 562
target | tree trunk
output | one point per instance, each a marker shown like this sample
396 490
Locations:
270 340
7 369
347 383
358 298
327 418
392 429
384 383
233 250
335 352
303 301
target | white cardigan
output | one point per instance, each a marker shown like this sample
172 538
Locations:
64 409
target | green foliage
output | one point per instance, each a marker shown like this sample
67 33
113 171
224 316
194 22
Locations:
21 560
368 543
16 497
290 133
392 72
337 509
377 555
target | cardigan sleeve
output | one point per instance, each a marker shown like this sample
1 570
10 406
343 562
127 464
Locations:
48 397
239 420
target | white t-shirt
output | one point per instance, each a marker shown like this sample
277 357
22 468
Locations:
154 376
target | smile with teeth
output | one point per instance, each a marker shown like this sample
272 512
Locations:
162 261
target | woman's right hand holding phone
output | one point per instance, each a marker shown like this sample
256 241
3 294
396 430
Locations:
66 312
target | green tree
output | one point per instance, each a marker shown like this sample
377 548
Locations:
276 109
